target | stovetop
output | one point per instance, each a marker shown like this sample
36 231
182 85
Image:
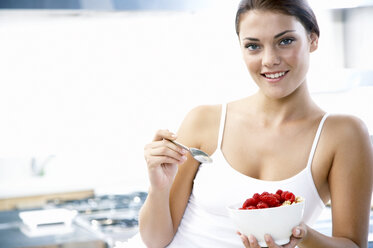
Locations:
101 203
113 218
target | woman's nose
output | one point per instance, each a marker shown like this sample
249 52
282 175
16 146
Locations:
270 57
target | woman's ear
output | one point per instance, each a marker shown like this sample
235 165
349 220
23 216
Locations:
314 39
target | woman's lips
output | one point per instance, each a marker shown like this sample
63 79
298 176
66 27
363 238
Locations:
274 76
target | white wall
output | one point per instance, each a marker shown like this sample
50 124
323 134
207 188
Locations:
359 38
93 87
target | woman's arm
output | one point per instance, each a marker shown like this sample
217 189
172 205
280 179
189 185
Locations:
351 180
350 184
162 159
171 177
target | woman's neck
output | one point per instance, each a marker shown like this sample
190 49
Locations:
275 112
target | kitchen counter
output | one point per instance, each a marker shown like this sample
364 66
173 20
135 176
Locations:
97 221
11 235
35 191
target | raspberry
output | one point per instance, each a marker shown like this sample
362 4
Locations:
251 207
283 195
256 196
264 193
271 200
278 197
262 205
250 202
290 197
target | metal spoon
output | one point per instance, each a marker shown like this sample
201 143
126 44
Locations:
197 154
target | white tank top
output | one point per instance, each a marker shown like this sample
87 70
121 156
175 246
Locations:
206 222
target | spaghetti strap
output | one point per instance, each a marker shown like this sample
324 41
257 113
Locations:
222 124
316 140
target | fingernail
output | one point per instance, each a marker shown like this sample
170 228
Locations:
251 239
266 238
183 158
173 135
242 238
297 231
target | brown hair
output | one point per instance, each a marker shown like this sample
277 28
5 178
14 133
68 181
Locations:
297 8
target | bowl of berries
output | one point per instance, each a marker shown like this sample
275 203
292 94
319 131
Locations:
268 213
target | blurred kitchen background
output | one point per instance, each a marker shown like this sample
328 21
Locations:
84 85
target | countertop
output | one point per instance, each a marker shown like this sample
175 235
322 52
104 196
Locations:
11 235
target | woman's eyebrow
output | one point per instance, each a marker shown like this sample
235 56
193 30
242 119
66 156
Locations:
276 36
282 33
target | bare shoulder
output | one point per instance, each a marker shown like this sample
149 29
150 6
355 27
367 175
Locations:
203 114
353 154
344 129
200 125
350 177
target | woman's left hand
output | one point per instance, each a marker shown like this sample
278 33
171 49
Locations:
298 234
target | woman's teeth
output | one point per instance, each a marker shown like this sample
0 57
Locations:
275 75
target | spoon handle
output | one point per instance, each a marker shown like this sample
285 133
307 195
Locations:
180 145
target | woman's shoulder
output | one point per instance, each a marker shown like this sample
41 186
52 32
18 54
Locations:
200 126
345 130
203 115
347 125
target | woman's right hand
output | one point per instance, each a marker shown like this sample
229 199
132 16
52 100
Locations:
162 158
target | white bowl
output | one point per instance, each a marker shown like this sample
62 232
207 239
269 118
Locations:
276 221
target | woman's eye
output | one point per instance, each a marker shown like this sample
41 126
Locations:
252 47
286 41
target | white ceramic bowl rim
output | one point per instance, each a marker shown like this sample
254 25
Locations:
238 205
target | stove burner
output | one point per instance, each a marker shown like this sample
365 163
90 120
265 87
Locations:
101 203
104 222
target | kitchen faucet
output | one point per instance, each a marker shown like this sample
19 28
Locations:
38 169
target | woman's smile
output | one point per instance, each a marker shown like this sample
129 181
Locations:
274 77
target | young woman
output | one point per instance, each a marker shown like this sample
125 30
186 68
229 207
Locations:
277 138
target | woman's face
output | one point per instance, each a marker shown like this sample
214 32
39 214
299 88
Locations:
276 50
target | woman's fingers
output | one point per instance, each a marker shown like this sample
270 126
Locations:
298 233
159 160
164 134
249 241
270 242
162 149
167 146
